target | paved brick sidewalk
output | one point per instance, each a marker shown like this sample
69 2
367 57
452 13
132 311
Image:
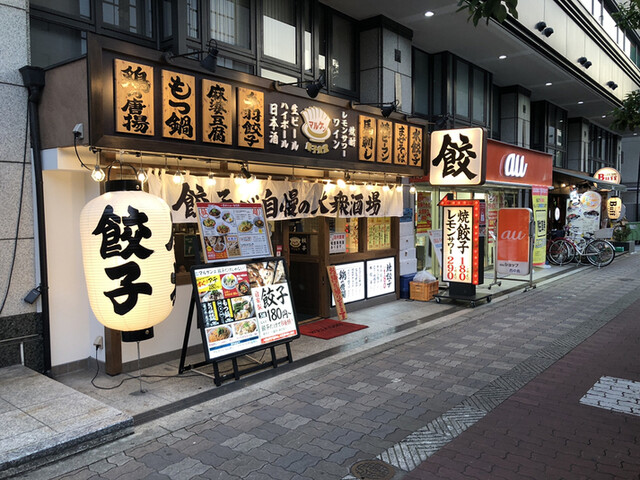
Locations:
544 432
316 422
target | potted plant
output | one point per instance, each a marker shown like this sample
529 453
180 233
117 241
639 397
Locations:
621 233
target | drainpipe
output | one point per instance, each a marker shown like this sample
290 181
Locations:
33 78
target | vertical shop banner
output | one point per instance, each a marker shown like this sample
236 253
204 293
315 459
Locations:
401 144
367 139
436 240
540 201
514 241
385 141
337 292
461 240
423 212
217 109
250 118
178 105
133 84
415 146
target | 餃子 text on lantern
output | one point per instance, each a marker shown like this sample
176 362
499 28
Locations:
127 250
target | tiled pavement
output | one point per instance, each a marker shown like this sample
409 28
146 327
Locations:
498 387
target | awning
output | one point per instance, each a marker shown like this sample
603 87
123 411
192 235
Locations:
572 175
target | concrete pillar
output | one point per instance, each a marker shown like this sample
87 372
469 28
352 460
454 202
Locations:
18 319
385 63
515 116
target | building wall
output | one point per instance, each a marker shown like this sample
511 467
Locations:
18 319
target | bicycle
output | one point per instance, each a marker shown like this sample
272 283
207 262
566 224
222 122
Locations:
597 252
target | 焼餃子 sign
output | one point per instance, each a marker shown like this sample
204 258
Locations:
460 240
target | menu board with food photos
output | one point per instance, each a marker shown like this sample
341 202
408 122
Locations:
244 306
233 231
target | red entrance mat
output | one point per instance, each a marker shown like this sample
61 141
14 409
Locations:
328 328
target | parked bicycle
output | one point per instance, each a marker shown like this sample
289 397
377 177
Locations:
596 251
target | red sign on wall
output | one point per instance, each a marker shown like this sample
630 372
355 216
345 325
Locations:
510 164
514 241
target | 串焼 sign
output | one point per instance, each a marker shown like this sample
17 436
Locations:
127 250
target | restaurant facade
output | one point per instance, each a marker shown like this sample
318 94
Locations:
321 113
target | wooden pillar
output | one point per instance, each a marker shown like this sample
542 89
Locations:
112 351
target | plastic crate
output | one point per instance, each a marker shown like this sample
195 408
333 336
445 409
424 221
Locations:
423 291
404 285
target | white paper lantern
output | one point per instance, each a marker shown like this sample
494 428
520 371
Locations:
128 258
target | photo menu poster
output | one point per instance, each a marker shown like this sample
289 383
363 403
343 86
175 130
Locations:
233 231
244 306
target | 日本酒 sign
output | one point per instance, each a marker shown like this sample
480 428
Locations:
514 241
457 157
460 241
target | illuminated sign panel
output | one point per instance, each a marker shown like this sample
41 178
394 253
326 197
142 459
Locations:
461 240
607 174
457 157
514 242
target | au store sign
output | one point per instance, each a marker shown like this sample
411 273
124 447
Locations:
510 164
457 157
460 240
514 241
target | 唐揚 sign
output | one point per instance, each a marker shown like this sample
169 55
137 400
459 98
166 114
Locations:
134 97
460 240
514 241
457 157
607 174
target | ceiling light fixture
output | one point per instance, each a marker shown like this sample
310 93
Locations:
502 57
429 13
548 84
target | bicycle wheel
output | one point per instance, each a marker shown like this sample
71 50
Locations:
560 252
600 253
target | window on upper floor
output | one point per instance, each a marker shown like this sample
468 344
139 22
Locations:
279 39
549 131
